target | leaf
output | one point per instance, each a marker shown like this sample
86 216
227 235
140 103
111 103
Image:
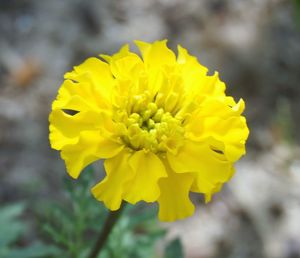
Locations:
36 250
10 228
10 212
54 235
142 215
11 232
174 249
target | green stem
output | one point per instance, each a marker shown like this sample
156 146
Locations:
111 220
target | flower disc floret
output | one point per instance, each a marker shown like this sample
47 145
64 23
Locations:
149 127
162 125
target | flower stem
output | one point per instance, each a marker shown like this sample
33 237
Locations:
111 220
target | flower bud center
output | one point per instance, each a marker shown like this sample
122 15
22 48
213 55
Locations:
150 127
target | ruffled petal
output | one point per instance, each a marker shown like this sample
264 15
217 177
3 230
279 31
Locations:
190 68
120 54
200 89
156 54
96 72
144 47
222 107
129 67
80 97
65 129
207 196
233 132
209 167
90 147
220 120
174 201
125 65
148 170
111 189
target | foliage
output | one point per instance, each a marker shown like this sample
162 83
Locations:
13 229
174 249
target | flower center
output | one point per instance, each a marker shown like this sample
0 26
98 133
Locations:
148 126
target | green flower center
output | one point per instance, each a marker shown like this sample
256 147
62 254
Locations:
148 126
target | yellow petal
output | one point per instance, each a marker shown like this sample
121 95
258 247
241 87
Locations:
156 80
156 54
231 141
90 147
210 167
128 67
174 201
125 64
111 189
143 47
233 132
148 170
190 68
65 129
218 120
96 72
209 195
220 106
199 88
79 97
124 51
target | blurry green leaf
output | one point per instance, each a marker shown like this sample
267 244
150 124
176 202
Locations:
10 228
10 212
174 249
11 232
4 251
54 235
34 251
144 215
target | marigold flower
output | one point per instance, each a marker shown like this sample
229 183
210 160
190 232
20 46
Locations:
164 127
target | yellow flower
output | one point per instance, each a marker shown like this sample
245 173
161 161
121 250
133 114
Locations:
164 127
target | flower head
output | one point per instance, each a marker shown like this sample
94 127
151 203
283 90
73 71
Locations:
164 127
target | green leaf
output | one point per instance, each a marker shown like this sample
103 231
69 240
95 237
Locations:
10 228
10 212
174 249
36 250
54 235
143 214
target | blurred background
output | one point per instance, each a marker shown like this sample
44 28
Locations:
255 46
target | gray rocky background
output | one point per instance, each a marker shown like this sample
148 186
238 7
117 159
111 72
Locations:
254 44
